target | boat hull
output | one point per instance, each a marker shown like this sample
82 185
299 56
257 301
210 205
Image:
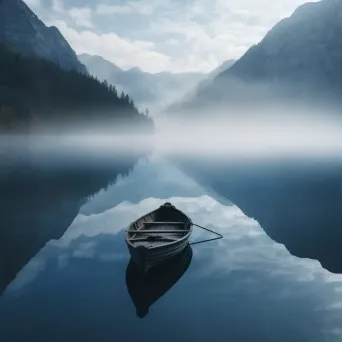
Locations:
146 258
158 236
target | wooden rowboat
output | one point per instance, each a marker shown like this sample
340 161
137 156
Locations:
158 236
146 288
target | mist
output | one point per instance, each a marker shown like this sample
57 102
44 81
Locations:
253 133
239 134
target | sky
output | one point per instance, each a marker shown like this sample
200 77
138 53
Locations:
164 35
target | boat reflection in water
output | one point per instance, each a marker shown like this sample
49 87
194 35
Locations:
146 288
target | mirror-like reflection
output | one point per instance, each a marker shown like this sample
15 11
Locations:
244 287
39 201
297 202
147 288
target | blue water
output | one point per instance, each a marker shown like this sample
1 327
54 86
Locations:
244 287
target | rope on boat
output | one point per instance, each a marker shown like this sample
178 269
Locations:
219 236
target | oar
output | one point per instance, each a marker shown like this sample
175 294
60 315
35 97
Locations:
219 236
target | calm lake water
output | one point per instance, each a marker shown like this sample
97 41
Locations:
275 276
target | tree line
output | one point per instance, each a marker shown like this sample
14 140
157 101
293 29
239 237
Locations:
38 93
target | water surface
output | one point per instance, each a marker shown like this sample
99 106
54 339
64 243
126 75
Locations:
67 278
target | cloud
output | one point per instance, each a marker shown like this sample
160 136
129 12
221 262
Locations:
27 275
245 269
34 3
207 32
336 306
82 17
85 250
173 42
123 52
112 9
143 7
245 244
58 6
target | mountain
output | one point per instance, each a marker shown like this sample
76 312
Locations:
21 29
300 58
222 68
148 90
44 87
214 73
38 96
100 67
177 106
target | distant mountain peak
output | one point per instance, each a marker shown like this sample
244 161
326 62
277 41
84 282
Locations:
154 91
223 67
95 61
56 31
298 59
23 30
135 70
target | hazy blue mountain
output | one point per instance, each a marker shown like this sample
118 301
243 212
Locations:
21 29
100 65
178 105
226 65
147 90
299 58
222 68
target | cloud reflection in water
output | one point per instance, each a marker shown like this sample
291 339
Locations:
245 279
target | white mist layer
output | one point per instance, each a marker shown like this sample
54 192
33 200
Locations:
264 132
254 138
243 135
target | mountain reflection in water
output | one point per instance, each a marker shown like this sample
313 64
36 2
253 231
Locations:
245 287
39 202
297 202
